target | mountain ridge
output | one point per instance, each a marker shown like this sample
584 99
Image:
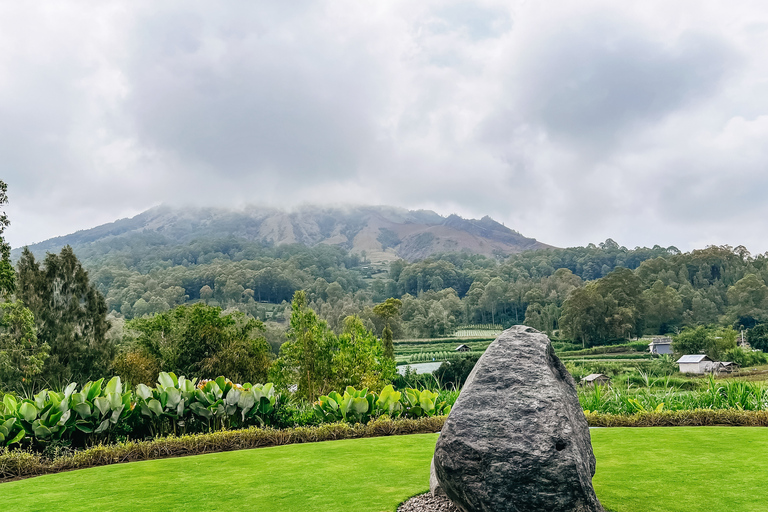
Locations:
383 232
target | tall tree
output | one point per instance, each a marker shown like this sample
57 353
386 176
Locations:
305 359
388 310
7 274
359 360
748 300
387 343
22 355
584 313
663 308
70 315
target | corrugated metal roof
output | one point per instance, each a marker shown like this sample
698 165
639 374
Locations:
696 358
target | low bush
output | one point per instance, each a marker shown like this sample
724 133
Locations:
24 463
360 406
692 418
744 357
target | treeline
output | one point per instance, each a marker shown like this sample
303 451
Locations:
717 285
144 274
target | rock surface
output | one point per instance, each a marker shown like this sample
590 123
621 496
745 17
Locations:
428 503
517 439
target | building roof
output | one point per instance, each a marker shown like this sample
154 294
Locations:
595 376
695 358
463 346
661 341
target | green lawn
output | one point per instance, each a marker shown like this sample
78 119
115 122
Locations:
638 470
682 469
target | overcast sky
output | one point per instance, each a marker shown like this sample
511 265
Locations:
571 122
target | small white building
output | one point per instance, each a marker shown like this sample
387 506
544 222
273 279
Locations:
463 348
696 363
660 346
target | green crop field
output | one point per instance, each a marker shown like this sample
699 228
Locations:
477 330
664 469
410 347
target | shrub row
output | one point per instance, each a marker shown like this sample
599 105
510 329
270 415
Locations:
693 418
18 463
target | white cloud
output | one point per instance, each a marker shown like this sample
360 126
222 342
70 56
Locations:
569 121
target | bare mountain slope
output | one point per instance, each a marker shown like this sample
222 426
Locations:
384 232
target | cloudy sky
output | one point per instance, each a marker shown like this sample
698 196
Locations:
570 121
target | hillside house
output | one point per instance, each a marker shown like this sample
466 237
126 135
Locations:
596 378
695 363
660 346
463 348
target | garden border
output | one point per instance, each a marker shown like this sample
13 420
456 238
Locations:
17 464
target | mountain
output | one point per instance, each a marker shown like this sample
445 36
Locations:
383 232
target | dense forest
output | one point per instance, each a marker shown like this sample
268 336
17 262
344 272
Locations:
133 303
642 290
144 274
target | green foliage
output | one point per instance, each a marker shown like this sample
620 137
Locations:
744 357
70 315
757 337
98 411
7 274
738 395
199 340
176 404
305 359
388 309
52 416
663 308
147 273
353 406
387 343
361 406
454 373
748 299
359 358
22 356
663 365
316 360
609 308
714 342
635 346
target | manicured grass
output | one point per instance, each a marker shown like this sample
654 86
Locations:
356 475
682 469
670 469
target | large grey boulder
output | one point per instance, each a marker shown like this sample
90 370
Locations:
517 439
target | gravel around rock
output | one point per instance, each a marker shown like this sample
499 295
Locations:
428 503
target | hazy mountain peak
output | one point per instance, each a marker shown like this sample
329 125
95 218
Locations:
383 232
